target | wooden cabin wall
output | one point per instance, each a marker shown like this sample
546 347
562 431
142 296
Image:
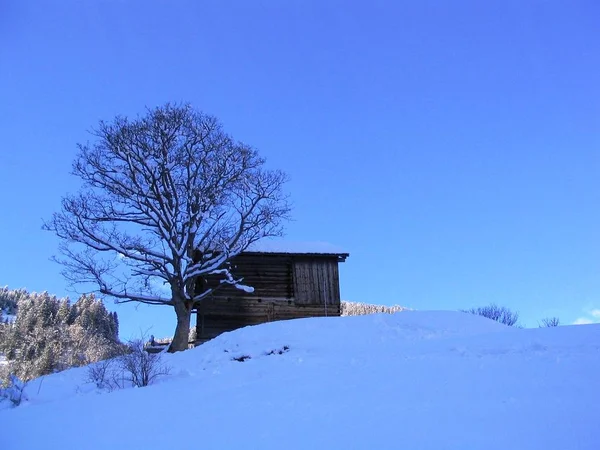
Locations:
285 287
269 276
309 281
316 282
216 315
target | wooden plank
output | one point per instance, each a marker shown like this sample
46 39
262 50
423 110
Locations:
325 269
260 309
301 283
316 282
331 283
326 282
314 286
253 307
336 284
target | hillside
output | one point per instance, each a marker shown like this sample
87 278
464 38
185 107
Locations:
415 380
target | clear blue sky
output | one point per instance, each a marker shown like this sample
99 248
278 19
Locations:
451 147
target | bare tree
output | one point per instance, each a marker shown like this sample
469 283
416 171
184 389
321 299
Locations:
500 314
134 366
141 367
166 199
550 322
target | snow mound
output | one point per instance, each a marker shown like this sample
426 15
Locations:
417 380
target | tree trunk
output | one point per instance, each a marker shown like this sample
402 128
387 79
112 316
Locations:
182 331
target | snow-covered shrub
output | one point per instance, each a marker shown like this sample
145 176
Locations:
360 309
14 392
134 367
498 313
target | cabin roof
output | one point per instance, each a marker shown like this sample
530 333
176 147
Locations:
282 247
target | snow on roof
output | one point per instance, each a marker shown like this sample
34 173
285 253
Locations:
309 248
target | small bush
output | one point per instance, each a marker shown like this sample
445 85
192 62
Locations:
550 322
14 392
134 367
142 368
106 375
500 314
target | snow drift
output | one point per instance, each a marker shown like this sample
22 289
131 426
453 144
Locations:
414 380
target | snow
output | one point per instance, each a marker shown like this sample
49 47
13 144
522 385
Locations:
414 379
283 246
5 317
244 288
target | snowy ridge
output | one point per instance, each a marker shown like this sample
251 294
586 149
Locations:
415 380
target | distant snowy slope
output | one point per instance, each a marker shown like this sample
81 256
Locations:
358 309
415 380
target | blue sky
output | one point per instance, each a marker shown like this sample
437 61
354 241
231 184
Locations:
451 147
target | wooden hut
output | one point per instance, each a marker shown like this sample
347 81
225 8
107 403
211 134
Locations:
288 282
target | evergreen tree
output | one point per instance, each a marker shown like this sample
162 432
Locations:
116 325
49 334
64 315
10 298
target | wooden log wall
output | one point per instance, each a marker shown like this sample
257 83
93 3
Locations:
285 287
316 282
270 276
217 315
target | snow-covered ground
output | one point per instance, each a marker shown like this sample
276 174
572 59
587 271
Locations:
412 380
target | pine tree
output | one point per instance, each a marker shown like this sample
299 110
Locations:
63 314
49 334
9 299
116 325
